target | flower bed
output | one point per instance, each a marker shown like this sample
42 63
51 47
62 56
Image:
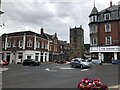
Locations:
88 84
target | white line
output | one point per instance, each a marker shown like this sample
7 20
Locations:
66 68
84 70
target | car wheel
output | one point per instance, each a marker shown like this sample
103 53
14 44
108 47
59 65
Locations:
81 66
24 64
71 65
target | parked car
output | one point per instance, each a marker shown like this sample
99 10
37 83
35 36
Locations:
115 61
31 62
78 62
3 62
60 61
97 61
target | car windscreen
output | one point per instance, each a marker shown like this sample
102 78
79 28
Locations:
83 60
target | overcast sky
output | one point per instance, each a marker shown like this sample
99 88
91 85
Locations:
53 15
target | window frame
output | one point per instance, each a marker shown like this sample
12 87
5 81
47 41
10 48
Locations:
110 40
20 43
29 43
107 16
106 27
9 44
14 43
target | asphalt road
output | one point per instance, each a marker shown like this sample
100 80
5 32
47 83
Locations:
49 75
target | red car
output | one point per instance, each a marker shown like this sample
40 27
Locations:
4 62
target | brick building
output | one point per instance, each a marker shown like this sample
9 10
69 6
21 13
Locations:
0 47
53 45
76 42
105 33
18 46
64 49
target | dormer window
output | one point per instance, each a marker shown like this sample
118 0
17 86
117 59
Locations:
107 16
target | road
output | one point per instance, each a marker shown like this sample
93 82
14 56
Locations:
50 75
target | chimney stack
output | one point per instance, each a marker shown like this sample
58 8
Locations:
111 3
42 30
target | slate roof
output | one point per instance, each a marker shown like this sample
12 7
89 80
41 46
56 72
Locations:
113 8
21 33
94 11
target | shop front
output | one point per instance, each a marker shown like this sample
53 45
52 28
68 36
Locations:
106 54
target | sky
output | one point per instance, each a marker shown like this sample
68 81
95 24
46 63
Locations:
53 15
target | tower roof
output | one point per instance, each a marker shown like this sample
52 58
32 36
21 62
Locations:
94 11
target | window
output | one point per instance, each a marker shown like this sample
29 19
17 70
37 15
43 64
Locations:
9 44
46 46
42 45
14 44
29 43
20 55
38 44
50 48
119 13
93 18
108 27
3 44
107 16
75 32
108 40
75 39
20 44
94 41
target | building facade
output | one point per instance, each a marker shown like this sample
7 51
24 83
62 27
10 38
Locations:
53 45
64 48
105 33
0 47
23 45
76 42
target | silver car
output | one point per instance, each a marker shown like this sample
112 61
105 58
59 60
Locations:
78 62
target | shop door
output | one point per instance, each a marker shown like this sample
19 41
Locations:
108 57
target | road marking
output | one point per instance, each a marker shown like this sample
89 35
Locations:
47 69
115 86
67 68
3 69
84 70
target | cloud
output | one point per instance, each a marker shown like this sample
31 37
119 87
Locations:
54 15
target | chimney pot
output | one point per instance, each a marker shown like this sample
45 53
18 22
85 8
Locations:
110 3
